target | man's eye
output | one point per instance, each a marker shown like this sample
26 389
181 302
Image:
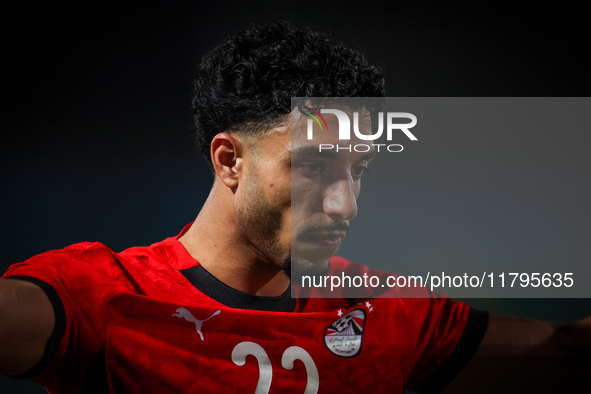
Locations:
357 172
313 167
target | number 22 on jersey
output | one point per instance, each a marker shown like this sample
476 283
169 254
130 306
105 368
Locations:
266 369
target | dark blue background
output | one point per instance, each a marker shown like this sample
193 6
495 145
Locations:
96 141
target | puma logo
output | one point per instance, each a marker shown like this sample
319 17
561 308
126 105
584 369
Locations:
185 314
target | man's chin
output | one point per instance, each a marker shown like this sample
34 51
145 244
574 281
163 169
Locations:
295 269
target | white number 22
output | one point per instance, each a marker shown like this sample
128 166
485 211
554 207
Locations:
266 370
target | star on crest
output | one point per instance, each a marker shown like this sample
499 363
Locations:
340 312
368 305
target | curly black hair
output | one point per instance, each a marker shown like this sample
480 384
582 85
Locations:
245 85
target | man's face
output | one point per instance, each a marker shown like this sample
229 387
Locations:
297 202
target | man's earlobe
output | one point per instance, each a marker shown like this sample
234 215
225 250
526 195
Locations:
226 157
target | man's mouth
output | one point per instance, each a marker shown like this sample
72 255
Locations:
330 240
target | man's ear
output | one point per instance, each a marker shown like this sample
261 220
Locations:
227 157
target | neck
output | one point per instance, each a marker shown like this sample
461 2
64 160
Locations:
216 242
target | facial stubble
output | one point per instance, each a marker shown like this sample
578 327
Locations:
261 222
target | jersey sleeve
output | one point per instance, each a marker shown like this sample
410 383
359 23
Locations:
450 332
79 281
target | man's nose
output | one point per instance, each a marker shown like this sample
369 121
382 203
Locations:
340 199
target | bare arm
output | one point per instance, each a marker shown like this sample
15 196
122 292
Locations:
521 355
27 320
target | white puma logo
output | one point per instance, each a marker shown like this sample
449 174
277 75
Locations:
184 313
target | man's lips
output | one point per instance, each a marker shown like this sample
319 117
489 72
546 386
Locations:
329 240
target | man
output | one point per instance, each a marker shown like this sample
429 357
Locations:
211 309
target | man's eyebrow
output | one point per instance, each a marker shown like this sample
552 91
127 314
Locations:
313 151
370 155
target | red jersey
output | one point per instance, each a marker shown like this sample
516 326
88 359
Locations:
151 319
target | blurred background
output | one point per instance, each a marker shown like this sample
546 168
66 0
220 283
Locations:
96 121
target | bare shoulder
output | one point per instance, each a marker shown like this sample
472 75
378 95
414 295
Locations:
28 320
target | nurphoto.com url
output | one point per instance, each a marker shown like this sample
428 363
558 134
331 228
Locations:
443 281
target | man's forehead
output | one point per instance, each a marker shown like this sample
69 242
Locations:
311 130
311 150
303 112
291 138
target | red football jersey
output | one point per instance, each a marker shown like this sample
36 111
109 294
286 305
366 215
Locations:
151 319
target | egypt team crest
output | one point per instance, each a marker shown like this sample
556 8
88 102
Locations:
345 336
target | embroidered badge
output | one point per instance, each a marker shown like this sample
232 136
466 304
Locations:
345 335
